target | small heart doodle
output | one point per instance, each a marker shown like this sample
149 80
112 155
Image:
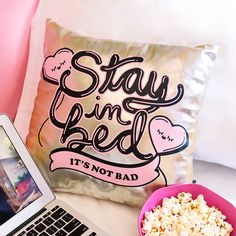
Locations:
167 138
55 65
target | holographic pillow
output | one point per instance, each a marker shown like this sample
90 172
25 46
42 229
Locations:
116 120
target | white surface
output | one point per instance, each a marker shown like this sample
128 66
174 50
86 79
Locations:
168 22
216 177
121 220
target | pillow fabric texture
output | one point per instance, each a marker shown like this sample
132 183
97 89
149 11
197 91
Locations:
115 120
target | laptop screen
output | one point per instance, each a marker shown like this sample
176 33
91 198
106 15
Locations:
17 187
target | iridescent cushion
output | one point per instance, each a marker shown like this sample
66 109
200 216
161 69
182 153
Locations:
115 120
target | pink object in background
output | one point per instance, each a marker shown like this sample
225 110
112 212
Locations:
14 44
210 197
23 187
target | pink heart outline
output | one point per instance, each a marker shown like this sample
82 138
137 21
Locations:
48 77
176 134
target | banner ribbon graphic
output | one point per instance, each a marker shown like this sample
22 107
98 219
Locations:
130 175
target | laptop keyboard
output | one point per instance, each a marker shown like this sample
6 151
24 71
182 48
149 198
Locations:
56 222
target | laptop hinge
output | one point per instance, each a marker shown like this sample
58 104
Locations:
27 222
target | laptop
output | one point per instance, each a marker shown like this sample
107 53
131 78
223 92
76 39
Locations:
28 207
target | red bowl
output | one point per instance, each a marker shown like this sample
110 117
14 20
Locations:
210 197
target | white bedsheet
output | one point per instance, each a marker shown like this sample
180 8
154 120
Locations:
122 220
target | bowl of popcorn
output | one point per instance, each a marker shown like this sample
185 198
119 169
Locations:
187 210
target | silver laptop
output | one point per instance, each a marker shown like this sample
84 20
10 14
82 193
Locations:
27 205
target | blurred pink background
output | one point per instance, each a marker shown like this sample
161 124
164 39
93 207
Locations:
14 45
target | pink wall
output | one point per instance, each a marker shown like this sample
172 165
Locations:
15 17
